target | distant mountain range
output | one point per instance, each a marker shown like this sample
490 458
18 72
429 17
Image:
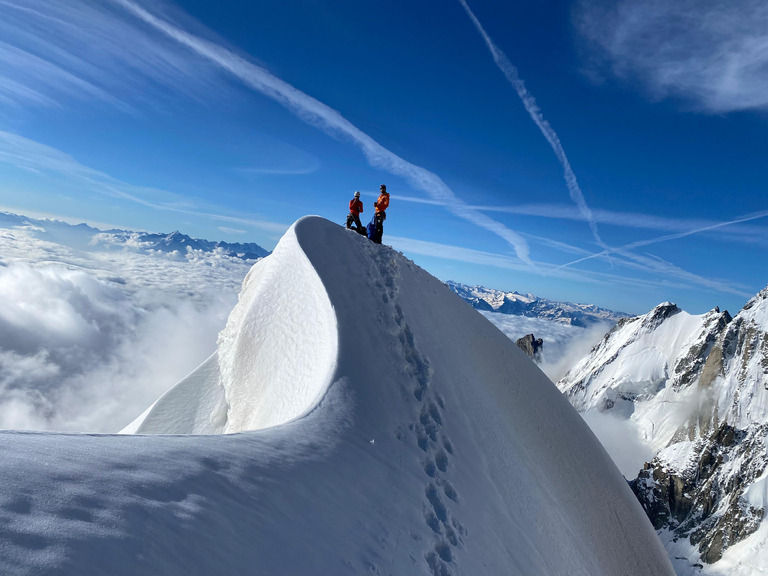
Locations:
176 241
517 304
84 236
695 390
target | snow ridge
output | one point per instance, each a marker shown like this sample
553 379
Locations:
429 444
257 379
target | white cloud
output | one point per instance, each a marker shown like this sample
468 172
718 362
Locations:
564 344
88 339
733 230
622 439
504 261
53 52
228 230
33 156
712 54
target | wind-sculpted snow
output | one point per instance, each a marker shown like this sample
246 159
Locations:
274 361
415 439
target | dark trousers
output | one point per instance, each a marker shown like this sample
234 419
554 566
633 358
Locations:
378 220
353 218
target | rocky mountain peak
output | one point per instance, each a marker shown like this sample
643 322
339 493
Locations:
531 345
696 388
758 300
659 314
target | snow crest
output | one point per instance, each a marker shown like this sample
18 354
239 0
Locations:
265 381
275 357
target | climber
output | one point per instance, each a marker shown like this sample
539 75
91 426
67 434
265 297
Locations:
355 209
376 226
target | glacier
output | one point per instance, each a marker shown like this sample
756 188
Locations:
345 424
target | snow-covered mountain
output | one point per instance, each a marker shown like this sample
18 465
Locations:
490 300
178 242
82 235
694 390
377 431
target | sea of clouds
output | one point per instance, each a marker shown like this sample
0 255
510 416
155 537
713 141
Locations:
564 345
91 333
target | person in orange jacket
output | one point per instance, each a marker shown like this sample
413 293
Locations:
355 209
383 202
381 206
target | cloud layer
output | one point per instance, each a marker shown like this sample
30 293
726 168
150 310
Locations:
88 339
712 54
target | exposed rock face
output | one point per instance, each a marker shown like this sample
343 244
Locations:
696 388
531 345
691 365
702 497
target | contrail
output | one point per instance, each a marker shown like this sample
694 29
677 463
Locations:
509 70
640 243
316 113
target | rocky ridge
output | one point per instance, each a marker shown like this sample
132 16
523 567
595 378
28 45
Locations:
696 387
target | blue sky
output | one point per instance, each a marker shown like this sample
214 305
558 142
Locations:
611 153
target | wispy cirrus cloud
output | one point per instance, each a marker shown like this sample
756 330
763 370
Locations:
502 261
55 52
711 54
318 114
677 236
33 156
734 230
529 102
669 274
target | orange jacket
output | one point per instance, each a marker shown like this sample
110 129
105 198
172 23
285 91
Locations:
355 206
383 202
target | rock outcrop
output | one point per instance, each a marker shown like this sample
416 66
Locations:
531 345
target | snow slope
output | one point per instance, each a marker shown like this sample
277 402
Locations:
636 371
411 437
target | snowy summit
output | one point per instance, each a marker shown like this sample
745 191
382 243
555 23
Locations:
374 430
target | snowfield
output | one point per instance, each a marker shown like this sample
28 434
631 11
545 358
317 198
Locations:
346 426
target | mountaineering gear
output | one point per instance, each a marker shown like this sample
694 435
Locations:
375 227
355 206
357 194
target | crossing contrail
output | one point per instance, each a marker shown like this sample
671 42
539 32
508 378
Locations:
510 72
677 236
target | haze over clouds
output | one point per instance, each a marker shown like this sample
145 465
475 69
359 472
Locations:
89 338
